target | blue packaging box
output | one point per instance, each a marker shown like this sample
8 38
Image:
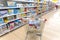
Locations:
1 20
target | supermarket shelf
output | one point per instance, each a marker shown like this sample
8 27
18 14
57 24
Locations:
8 22
2 24
25 1
15 7
7 15
28 1
12 14
7 31
17 27
12 20
30 6
8 7
4 32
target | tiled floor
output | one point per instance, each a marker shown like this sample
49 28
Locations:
51 29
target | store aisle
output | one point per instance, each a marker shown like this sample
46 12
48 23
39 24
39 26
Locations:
53 22
52 27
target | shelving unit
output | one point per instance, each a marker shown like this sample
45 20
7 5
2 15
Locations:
12 14
7 31
15 14
17 7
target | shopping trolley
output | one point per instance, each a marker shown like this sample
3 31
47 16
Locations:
34 31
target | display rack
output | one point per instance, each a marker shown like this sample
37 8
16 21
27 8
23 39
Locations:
12 14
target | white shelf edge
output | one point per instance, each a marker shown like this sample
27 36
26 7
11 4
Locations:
14 7
25 1
7 15
4 32
2 24
10 30
28 1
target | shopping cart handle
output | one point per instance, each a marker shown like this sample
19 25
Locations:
45 19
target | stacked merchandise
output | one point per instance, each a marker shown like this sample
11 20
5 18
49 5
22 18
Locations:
11 16
44 6
1 4
11 4
14 24
51 5
3 28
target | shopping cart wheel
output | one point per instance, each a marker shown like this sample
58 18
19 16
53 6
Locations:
40 35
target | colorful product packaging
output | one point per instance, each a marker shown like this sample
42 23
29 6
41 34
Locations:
21 10
16 11
5 19
10 18
16 22
4 28
3 12
1 20
14 17
10 11
11 25
11 3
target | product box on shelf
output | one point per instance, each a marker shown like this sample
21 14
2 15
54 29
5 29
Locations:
25 5
8 25
11 3
29 4
16 10
21 10
14 17
28 14
3 12
23 15
19 5
1 20
17 22
25 9
5 20
10 18
20 22
10 11
11 25
19 16
4 28
33 10
1 5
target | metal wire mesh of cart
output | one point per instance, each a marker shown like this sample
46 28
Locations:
34 32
